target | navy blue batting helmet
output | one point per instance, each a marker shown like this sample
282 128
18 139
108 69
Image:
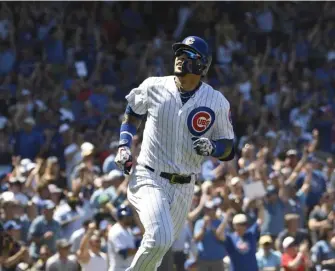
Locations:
123 211
197 50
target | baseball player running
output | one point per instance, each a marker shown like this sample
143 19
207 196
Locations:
187 120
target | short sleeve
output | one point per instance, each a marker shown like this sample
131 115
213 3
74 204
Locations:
223 128
138 97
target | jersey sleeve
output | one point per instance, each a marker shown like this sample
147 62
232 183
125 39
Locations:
138 97
223 128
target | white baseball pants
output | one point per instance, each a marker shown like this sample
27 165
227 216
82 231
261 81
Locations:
162 208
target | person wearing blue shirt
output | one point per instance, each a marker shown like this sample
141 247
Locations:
44 230
318 185
274 213
207 168
28 141
211 250
323 252
267 258
241 244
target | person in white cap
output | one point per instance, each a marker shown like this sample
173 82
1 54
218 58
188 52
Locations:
294 257
241 245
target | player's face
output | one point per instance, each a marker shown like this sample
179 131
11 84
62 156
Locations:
181 56
178 63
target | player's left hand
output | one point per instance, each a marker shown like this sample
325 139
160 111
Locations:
203 146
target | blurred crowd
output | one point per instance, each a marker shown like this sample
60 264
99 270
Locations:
65 68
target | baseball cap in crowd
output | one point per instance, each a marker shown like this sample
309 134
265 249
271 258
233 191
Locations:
63 243
30 121
291 152
11 225
265 239
288 242
209 204
17 179
54 189
66 115
48 204
240 219
87 149
26 166
63 128
235 180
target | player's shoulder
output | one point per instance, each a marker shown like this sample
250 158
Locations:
157 80
217 95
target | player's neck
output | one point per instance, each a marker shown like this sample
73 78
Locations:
188 82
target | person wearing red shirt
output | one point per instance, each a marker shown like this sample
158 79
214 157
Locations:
294 258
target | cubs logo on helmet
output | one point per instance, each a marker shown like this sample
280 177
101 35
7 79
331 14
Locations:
200 120
189 41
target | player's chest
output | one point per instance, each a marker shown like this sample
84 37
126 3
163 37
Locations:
168 112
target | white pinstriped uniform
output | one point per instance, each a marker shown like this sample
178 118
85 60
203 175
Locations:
167 147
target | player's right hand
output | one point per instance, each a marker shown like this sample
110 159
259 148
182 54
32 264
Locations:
124 159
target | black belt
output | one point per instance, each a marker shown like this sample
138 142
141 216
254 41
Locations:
173 178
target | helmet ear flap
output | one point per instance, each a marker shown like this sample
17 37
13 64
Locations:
207 66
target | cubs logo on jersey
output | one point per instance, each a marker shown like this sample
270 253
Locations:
242 246
200 120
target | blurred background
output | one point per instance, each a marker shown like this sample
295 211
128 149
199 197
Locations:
65 68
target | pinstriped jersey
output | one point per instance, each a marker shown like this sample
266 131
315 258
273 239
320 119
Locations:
167 144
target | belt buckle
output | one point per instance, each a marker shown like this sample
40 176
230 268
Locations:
173 179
